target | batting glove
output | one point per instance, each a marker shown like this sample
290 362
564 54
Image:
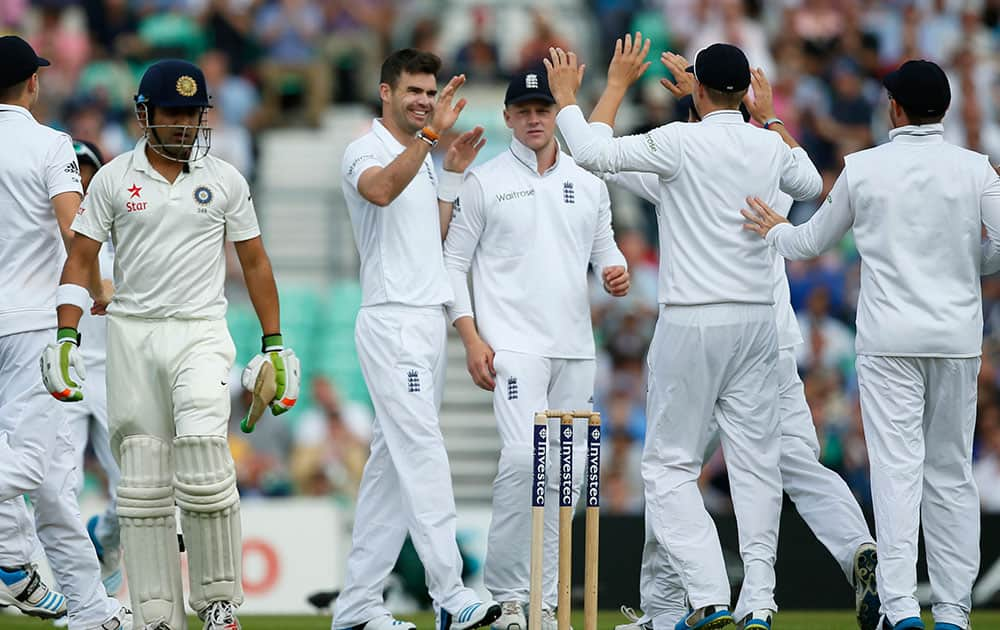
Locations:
286 373
57 359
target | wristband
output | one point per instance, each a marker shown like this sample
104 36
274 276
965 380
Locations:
449 185
68 335
773 121
271 343
74 295
429 136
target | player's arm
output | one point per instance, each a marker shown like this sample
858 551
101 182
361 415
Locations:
66 206
380 186
460 246
259 278
608 261
824 230
655 152
643 185
460 155
989 204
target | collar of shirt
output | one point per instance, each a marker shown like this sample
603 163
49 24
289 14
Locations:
386 137
17 109
724 117
141 163
527 156
918 133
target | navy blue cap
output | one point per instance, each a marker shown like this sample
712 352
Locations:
722 67
529 86
920 87
19 60
173 83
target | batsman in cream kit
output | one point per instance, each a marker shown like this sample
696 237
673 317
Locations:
169 207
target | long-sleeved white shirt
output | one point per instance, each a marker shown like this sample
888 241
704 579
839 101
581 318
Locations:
917 206
646 185
529 239
706 171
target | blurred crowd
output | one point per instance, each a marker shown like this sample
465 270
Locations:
285 62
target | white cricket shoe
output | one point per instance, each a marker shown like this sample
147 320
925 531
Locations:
549 620
511 617
121 620
475 615
221 616
22 587
635 621
384 622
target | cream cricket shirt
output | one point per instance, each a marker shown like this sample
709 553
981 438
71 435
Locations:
529 239
36 164
399 244
706 171
168 238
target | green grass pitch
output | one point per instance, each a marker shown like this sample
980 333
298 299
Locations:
791 620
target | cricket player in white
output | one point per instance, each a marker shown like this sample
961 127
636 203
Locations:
917 206
39 194
169 207
392 195
820 495
717 317
88 419
529 223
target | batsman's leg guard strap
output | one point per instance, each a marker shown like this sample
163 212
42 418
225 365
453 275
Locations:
205 485
149 530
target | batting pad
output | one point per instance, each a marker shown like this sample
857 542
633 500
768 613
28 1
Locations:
205 485
149 531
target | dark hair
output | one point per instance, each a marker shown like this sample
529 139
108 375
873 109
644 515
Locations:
730 100
408 60
13 92
917 119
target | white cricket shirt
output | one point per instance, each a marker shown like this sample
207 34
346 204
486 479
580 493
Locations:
168 238
36 164
646 185
399 244
530 239
917 205
706 171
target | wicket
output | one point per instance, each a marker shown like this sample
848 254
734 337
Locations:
593 501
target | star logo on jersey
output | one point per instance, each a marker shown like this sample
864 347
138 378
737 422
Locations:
203 195
135 191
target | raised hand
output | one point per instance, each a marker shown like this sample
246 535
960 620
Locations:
761 106
677 65
629 61
463 150
565 76
444 114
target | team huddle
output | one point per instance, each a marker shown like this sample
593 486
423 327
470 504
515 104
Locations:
118 297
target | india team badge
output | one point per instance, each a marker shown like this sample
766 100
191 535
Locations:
203 195
186 86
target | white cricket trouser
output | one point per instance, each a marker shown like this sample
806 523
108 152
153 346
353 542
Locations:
406 484
526 384
168 377
919 415
56 512
821 496
715 361
88 420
